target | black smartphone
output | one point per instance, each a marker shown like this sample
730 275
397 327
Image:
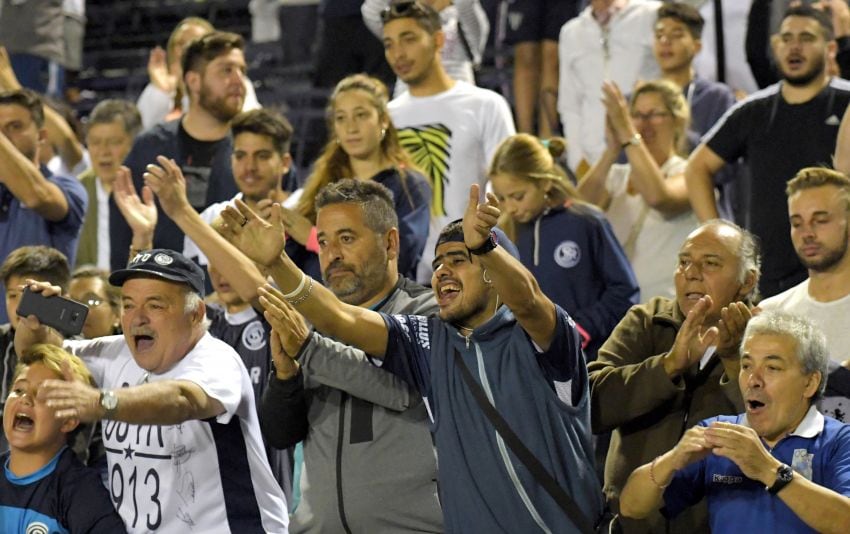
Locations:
65 315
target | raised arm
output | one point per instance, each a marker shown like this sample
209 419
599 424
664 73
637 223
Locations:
139 213
371 11
669 196
842 145
515 285
330 363
263 241
167 182
702 166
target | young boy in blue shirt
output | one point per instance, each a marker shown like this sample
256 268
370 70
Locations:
44 487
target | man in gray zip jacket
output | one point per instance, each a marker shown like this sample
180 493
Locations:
369 464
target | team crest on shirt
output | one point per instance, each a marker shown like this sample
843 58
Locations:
163 259
567 254
37 527
254 337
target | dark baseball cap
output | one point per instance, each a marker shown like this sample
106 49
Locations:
455 233
162 263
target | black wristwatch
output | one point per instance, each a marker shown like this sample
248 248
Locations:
491 243
784 475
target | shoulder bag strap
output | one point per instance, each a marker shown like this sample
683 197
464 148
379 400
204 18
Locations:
530 461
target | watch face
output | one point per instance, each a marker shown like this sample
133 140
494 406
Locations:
110 401
785 473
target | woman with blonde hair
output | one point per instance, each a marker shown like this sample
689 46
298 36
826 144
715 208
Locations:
363 145
646 199
566 243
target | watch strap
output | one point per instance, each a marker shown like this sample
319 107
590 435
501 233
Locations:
491 243
784 475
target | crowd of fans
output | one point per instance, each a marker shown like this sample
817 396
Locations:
442 324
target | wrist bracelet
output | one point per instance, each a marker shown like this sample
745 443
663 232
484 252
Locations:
652 475
293 294
298 300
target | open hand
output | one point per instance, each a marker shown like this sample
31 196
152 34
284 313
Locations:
262 241
169 184
289 331
140 214
480 218
158 71
692 340
71 398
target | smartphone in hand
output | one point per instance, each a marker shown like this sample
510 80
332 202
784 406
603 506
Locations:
65 315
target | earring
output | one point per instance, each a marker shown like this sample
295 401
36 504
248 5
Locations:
487 281
383 133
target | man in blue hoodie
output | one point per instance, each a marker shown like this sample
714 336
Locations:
525 355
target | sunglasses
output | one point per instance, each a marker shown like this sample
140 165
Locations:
403 9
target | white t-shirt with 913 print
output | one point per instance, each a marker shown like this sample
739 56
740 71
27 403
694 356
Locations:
208 476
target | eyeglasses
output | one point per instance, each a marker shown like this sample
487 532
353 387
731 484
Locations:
91 300
652 116
396 10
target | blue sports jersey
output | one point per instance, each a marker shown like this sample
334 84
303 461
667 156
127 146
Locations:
63 496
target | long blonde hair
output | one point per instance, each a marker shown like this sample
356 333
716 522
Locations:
333 163
534 160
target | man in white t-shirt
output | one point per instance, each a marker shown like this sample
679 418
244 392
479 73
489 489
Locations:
819 209
450 128
180 425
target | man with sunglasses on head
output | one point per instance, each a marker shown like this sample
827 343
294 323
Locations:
450 128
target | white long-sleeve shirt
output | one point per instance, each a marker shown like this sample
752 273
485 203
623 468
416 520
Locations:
589 55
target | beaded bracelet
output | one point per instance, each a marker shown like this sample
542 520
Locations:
652 475
293 294
298 300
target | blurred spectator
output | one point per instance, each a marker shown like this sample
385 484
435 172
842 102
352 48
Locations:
777 131
298 20
111 128
673 361
609 40
165 98
645 199
91 286
533 28
33 33
722 58
465 27
74 17
213 70
260 163
450 128
678 40
761 24
566 243
364 145
36 206
346 46
63 152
